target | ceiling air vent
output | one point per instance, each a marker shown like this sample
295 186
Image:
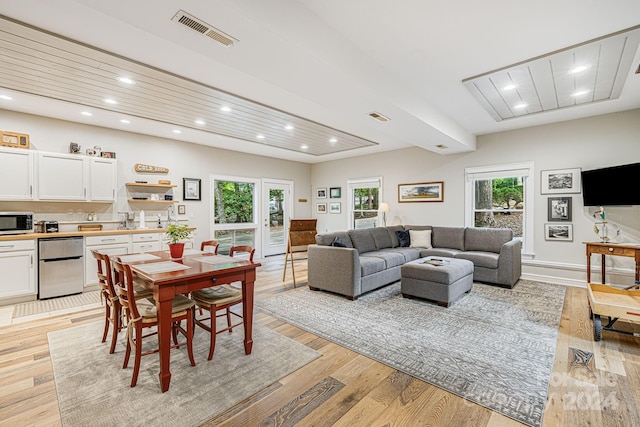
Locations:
441 146
203 28
379 117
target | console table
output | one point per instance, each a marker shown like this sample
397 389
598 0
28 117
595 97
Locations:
617 249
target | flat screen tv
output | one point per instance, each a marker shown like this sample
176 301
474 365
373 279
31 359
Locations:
614 186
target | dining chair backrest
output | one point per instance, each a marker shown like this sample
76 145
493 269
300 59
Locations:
213 243
242 248
104 274
124 287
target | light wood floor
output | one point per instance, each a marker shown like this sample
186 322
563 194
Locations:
595 384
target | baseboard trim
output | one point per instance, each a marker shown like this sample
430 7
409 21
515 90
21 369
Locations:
549 277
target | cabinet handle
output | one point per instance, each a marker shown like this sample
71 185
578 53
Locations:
31 190
7 246
84 192
610 249
108 240
144 246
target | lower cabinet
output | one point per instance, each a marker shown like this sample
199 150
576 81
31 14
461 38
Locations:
146 242
111 245
18 265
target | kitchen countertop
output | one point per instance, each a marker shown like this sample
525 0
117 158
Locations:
30 236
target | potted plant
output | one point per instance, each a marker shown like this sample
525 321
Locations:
176 233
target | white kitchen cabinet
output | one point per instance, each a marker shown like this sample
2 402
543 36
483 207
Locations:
103 178
16 174
62 177
119 244
146 242
18 265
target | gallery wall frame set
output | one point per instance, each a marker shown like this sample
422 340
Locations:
558 232
559 209
421 192
557 181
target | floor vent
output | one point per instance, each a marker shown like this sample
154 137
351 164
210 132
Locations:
203 28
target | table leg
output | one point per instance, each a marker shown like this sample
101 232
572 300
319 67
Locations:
602 266
588 266
247 312
163 305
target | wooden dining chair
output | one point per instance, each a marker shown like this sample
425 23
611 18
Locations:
213 243
142 314
113 309
218 298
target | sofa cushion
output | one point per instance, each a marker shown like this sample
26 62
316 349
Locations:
381 237
404 238
448 237
390 257
392 229
481 259
420 238
370 265
486 239
362 240
444 252
326 239
409 254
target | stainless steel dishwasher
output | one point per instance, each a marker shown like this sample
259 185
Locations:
60 267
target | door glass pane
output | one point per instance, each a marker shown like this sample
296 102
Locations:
276 217
365 209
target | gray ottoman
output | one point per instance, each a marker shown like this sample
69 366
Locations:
440 283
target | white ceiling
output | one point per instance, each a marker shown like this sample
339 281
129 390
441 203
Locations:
334 61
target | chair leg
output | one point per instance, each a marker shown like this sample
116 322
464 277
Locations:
174 332
138 354
107 319
212 345
190 333
127 352
115 316
229 320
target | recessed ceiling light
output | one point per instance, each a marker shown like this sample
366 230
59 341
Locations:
225 109
520 106
510 87
333 140
110 101
304 147
288 127
126 80
579 69
580 93
124 121
7 97
260 136
200 122
177 131
86 113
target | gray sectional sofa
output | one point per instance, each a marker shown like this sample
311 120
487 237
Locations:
354 262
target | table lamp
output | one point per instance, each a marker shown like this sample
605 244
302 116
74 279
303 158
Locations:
384 208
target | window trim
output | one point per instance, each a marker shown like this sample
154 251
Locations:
358 183
525 169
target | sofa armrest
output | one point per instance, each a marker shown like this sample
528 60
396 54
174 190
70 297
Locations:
510 262
334 269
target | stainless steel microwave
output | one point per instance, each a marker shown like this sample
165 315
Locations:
16 222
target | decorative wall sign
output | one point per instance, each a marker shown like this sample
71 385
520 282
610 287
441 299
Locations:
421 192
13 139
560 181
140 167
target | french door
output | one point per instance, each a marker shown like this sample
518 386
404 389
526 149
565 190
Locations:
277 208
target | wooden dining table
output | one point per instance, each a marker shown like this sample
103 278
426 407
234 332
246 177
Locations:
167 278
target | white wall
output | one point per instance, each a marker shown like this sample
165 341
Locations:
588 144
183 160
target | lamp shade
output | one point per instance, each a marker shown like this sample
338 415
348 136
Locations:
383 207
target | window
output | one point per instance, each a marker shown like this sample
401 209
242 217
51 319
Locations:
364 199
235 211
501 197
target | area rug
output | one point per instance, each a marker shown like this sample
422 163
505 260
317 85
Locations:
494 346
55 304
93 389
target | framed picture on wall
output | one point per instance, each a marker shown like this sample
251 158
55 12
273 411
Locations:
559 209
558 232
560 181
321 193
335 192
191 189
421 192
334 208
321 208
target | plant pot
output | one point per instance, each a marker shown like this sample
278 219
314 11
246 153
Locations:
176 250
